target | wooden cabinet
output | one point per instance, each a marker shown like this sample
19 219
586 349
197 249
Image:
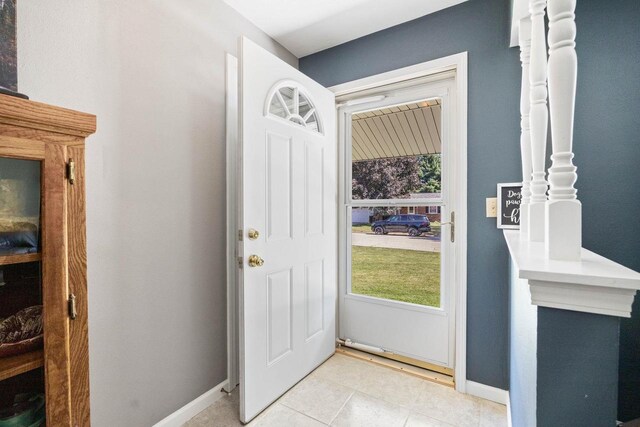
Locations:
53 272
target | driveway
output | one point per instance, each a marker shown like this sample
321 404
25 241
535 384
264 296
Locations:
421 243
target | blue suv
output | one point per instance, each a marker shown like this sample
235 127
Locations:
414 225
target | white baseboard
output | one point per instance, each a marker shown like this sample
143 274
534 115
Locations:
193 408
487 392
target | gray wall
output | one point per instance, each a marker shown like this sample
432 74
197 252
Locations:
577 369
154 74
607 148
563 364
480 27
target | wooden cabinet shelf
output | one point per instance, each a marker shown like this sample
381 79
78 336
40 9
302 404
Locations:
16 365
19 259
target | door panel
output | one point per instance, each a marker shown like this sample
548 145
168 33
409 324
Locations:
314 181
381 330
287 305
314 287
280 306
279 196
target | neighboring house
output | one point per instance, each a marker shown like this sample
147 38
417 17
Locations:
365 215
361 216
432 212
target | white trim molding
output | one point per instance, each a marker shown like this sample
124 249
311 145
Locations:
509 422
585 298
232 220
193 408
594 284
455 65
487 392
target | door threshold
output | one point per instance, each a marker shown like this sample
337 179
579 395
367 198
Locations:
397 357
425 374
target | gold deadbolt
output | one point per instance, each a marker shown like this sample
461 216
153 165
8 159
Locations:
255 261
253 234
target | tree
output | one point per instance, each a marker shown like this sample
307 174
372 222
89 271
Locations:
430 173
393 178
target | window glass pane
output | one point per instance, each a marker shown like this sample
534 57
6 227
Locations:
312 123
277 109
304 105
397 152
287 94
396 260
19 206
303 114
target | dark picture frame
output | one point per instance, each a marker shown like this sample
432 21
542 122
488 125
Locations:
8 46
509 199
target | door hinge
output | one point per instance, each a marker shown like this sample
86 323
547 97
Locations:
240 235
71 171
240 262
73 311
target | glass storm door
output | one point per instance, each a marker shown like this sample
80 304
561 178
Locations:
397 236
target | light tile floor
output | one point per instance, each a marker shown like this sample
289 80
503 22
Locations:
345 391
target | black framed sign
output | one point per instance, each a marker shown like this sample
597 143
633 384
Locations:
509 197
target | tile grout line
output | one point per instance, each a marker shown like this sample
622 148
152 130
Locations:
302 413
353 391
305 415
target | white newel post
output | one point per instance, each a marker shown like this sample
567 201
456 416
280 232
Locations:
525 137
539 121
564 210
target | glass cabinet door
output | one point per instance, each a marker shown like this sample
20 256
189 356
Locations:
19 206
22 380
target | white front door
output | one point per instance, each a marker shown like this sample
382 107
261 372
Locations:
288 286
397 290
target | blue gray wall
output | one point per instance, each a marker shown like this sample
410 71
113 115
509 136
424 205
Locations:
607 148
577 381
482 29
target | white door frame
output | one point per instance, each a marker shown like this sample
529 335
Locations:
233 218
363 87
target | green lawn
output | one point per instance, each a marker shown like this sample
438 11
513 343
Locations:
361 228
397 274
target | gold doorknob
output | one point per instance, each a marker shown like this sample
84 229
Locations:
255 261
253 234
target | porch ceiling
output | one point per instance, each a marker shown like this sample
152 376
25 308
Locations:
405 130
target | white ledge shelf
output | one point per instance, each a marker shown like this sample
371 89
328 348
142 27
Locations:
594 284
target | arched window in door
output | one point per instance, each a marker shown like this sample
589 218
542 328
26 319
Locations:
289 101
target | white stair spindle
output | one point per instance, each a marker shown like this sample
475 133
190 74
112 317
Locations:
525 137
563 210
539 121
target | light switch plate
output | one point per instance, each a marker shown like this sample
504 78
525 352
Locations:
492 207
